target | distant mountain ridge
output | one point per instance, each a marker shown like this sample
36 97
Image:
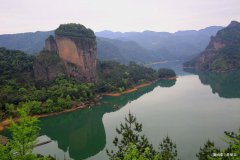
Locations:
124 51
222 52
30 42
181 44
141 47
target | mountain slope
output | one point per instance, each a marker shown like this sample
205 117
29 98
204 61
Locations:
108 49
222 53
181 44
124 51
148 46
31 42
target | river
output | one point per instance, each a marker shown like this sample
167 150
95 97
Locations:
194 108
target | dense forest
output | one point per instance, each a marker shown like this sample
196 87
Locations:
75 30
115 77
18 86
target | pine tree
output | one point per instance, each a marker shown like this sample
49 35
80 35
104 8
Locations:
168 150
132 143
129 133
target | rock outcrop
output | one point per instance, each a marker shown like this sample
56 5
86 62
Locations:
222 53
71 52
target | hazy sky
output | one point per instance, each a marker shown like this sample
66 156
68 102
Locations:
117 15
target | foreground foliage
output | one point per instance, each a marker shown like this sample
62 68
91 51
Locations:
132 144
211 152
24 134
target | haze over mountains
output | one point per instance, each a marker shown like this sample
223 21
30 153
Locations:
178 45
141 47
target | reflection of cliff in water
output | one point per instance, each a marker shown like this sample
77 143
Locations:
82 132
226 84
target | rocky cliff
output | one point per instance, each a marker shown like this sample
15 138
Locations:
222 53
72 52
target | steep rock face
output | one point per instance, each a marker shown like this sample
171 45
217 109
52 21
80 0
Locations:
50 44
222 53
48 66
76 48
79 56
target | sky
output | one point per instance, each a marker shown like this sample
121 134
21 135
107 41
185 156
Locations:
17 16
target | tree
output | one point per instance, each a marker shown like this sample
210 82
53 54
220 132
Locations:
233 140
166 73
24 134
210 152
132 153
134 145
5 152
168 150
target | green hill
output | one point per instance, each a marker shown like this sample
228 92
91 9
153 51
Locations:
222 53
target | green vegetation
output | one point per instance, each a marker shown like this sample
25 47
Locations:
166 73
18 87
210 152
115 77
48 57
75 30
225 58
13 62
24 135
44 98
134 145
131 143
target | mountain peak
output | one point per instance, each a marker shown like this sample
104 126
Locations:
234 24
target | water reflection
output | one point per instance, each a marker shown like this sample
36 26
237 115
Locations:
82 133
167 83
225 84
126 98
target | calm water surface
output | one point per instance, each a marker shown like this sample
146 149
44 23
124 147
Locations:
191 110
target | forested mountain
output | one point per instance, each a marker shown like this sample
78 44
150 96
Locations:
222 52
31 42
125 51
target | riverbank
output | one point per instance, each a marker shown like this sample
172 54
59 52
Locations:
135 88
6 122
128 90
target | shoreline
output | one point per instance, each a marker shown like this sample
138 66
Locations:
128 90
117 94
4 123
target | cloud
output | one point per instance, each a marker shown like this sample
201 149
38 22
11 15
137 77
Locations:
124 15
